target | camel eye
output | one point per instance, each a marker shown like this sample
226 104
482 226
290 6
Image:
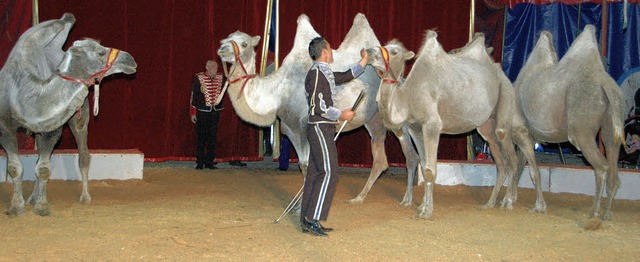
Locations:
394 52
244 45
102 52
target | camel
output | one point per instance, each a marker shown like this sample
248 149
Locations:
259 100
571 100
42 88
448 94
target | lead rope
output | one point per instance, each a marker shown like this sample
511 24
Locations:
96 99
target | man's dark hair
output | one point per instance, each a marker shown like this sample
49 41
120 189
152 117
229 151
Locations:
315 47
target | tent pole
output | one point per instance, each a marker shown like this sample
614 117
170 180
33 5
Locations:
263 65
35 16
472 17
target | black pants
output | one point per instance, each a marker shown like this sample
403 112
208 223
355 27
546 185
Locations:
206 129
322 172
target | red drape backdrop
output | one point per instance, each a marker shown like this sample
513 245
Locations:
171 40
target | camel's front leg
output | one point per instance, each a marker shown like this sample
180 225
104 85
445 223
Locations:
378 134
79 125
46 142
431 137
14 169
412 159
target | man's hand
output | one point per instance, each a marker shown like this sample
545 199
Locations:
347 115
194 119
365 57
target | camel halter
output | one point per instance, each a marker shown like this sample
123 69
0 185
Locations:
385 58
245 77
96 78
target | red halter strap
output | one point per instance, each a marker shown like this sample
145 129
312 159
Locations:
95 79
385 58
245 78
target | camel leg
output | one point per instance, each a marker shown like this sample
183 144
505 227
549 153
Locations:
14 169
587 145
301 145
486 130
46 142
378 134
80 128
525 144
613 179
431 136
411 158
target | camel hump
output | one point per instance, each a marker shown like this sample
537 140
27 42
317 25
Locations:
302 18
475 49
360 36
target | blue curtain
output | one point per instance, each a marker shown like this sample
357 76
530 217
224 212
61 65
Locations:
525 21
623 44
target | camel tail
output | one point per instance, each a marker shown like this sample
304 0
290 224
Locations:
615 108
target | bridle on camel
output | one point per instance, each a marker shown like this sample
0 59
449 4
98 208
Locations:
245 77
96 78
385 78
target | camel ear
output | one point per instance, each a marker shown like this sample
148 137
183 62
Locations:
65 63
489 50
255 40
409 55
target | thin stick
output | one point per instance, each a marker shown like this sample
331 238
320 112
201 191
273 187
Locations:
353 108
291 205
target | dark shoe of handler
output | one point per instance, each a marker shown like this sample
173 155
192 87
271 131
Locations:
236 163
314 227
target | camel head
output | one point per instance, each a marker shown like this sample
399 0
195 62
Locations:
390 60
89 61
239 45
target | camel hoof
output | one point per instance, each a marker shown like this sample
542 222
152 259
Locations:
538 210
15 211
356 200
406 203
487 206
85 200
424 215
607 216
507 205
42 210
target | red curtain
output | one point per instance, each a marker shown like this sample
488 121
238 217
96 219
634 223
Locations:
171 40
14 19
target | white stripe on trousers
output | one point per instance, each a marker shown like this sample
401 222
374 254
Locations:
327 169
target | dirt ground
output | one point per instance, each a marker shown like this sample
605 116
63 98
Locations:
182 214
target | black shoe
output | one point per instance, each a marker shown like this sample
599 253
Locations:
313 228
210 166
236 163
199 166
324 229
